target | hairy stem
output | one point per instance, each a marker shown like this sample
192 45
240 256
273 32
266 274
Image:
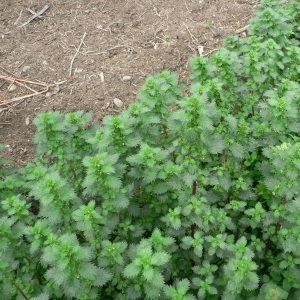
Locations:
20 290
74 173
224 158
278 225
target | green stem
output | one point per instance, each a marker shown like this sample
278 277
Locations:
81 234
20 290
74 173
165 130
224 159
276 230
194 187
36 273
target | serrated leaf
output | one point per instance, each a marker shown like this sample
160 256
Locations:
237 150
158 279
188 241
170 291
225 182
271 183
133 293
160 188
87 270
180 115
113 182
148 273
132 270
251 282
232 122
216 145
43 296
189 178
176 223
191 135
183 286
102 277
160 258
198 250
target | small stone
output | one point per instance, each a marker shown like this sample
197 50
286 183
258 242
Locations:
101 76
126 78
55 90
27 121
48 94
12 88
118 102
25 68
200 50
78 70
106 106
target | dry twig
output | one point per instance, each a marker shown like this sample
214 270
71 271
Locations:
72 61
19 17
36 15
29 81
195 40
19 81
242 29
211 52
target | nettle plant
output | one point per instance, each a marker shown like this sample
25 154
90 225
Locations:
180 196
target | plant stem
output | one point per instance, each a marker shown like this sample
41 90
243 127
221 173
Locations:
74 173
269 241
20 290
276 230
224 158
36 273
194 187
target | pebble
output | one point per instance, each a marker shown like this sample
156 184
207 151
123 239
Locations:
12 88
27 121
25 68
118 102
126 78
101 76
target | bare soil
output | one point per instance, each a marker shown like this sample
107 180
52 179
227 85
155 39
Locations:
117 38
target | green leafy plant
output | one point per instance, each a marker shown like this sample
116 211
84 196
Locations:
184 195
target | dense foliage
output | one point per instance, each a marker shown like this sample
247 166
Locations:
184 195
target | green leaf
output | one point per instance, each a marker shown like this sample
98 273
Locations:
43 296
183 286
160 258
102 277
132 270
148 273
237 150
158 279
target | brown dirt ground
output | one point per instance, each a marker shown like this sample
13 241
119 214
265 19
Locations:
133 38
